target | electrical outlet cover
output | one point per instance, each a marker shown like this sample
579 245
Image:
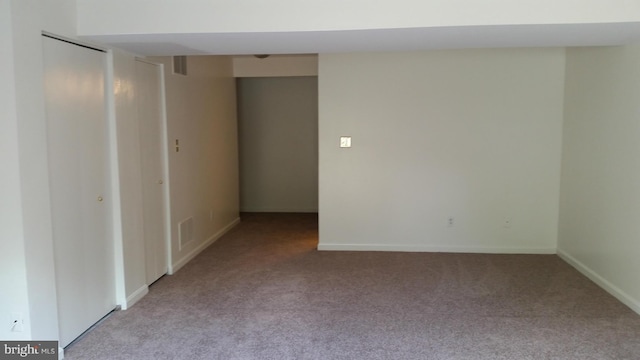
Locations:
16 322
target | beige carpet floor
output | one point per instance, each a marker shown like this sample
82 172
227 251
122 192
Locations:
263 291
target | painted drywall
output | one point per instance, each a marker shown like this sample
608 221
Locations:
201 115
98 17
600 197
28 19
13 273
130 177
275 66
469 134
278 139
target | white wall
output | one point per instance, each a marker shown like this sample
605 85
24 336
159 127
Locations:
201 113
473 134
99 17
278 134
130 177
275 65
600 193
13 274
28 19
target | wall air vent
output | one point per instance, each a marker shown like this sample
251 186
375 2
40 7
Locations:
185 231
180 65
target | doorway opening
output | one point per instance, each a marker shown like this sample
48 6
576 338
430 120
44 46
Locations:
278 144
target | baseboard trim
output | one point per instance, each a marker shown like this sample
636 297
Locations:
618 293
182 262
136 296
429 248
273 210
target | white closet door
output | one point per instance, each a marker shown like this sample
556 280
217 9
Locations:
79 185
149 98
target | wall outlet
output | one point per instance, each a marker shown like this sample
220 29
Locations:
16 322
450 221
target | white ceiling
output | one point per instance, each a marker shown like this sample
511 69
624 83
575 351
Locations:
409 39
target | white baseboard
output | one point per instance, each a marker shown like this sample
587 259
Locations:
136 296
279 210
185 259
618 293
429 248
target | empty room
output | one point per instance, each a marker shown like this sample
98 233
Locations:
321 179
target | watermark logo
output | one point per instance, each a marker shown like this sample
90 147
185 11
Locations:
41 350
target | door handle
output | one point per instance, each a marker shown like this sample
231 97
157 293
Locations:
100 198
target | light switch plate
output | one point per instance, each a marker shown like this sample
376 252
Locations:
345 141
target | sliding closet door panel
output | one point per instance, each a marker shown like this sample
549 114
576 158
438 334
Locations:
79 182
148 89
